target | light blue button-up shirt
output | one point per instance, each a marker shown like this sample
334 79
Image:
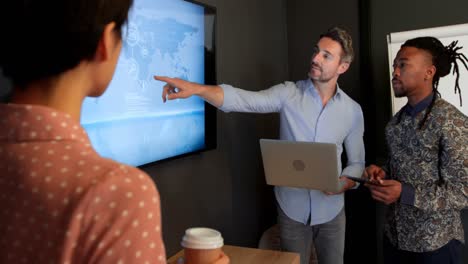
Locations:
304 118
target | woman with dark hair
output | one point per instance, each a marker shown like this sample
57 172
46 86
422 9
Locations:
60 201
425 180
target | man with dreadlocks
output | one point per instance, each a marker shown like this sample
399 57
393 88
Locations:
425 180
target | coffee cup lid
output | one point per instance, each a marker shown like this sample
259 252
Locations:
202 238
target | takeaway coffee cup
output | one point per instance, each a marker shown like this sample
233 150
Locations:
201 245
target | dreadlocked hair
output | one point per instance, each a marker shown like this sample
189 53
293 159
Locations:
442 58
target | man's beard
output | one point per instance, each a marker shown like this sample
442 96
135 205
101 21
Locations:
399 91
319 78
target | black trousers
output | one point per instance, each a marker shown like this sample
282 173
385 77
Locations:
451 253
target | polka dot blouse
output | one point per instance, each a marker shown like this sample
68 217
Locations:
60 202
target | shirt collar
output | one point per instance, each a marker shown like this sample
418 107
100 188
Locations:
311 87
419 107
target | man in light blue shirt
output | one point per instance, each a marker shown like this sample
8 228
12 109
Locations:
315 110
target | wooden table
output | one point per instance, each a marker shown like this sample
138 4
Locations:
243 255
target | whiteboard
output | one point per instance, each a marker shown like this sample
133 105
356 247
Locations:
446 87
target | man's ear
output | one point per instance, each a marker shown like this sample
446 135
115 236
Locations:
430 72
344 66
106 43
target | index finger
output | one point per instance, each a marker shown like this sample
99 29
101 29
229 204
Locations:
161 78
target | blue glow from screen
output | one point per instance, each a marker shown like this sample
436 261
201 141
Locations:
129 122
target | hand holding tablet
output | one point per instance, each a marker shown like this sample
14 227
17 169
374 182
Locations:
362 180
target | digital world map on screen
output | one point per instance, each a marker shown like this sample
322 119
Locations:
129 122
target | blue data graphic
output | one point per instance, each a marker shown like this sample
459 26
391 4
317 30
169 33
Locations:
129 122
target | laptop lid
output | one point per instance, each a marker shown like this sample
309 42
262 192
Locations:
309 165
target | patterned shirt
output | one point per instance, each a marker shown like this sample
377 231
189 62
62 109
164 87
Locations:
433 162
303 117
60 202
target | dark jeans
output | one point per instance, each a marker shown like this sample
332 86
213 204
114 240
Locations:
328 238
451 253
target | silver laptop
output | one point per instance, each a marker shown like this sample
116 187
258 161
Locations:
309 165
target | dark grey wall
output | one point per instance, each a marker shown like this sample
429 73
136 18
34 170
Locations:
394 16
5 87
306 21
225 188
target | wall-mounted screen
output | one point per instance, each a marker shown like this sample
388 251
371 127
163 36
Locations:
129 122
